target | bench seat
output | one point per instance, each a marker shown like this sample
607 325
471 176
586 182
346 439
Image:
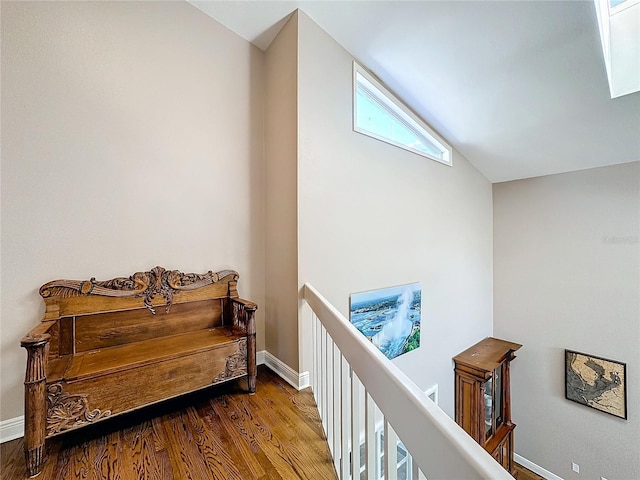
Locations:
109 360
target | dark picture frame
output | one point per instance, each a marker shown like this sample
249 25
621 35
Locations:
596 382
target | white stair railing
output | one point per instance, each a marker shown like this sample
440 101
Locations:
365 401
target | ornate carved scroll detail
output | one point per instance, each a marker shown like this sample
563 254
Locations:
147 285
158 286
118 287
191 281
66 411
236 363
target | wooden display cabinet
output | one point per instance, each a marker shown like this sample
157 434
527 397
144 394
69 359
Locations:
483 396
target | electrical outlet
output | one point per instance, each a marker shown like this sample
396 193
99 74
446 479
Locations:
575 467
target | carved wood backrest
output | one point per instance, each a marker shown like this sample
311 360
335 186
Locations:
94 314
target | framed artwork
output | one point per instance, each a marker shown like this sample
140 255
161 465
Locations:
389 317
596 382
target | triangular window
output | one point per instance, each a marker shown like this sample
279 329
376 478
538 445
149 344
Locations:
379 114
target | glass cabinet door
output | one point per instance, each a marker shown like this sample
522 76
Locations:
497 403
488 408
493 404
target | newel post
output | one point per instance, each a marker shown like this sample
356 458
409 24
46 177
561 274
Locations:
35 403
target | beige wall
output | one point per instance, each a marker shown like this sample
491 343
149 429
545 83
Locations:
567 276
372 215
281 158
131 137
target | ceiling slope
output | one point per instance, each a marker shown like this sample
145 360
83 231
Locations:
519 88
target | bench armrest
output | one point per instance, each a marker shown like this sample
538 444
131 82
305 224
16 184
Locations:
247 305
244 317
36 342
243 312
38 336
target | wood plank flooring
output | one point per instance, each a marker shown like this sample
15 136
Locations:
222 434
526 474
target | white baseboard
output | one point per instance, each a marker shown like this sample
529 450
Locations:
304 380
284 371
535 468
260 357
11 429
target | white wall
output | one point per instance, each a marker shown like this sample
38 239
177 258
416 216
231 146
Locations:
131 137
281 158
567 275
372 215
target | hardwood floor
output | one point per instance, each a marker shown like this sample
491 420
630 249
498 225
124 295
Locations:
224 434
526 474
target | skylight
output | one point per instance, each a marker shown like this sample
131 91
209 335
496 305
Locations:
379 114
619 22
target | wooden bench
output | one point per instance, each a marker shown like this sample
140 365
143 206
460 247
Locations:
108 347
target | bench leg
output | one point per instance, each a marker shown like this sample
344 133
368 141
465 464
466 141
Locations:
35 410
252 368
34 460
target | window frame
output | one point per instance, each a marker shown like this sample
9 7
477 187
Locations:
401 112
620 7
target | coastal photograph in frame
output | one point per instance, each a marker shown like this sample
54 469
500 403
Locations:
389 317
596 382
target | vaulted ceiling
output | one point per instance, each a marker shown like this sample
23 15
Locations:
518 87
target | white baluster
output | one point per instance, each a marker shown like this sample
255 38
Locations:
345 424
370 436
314 347
390 453
337 387
329 391
355 426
